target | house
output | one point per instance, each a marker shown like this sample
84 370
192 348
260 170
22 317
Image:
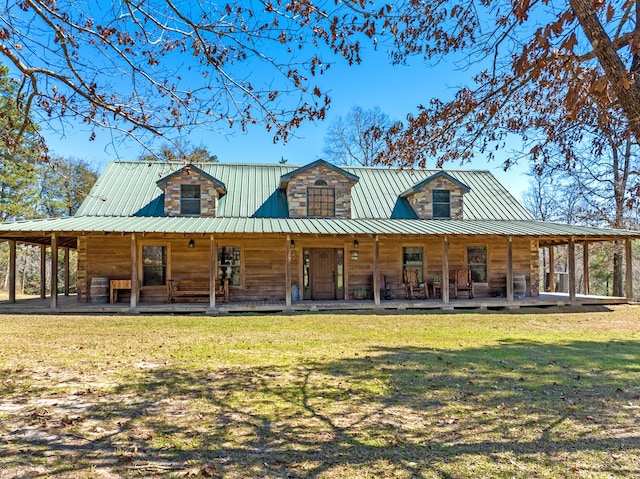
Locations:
315 233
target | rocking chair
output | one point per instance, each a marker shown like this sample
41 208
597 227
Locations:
463 282
412 285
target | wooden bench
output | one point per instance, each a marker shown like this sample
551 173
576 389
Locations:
197 290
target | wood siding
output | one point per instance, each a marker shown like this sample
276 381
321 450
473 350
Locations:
263 261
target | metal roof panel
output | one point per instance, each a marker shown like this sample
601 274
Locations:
322 226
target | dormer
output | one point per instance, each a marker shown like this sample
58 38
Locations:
190 191
318 190
439 196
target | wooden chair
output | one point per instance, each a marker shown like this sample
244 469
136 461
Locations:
412 285
463 282
437 287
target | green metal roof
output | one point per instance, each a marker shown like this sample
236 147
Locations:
319 226
129 189
126 199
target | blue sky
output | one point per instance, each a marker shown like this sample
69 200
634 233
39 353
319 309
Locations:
396 90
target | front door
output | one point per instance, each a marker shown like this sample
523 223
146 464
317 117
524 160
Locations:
323 273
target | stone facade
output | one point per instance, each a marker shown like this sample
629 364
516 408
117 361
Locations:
422 204
208 194
297 191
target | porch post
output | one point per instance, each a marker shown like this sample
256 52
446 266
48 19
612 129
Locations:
585 267
12 271
552 269
134 272
445 270
572 269
345 265
213 271
54 271
376 272
287 272
66 271
510 269
43 271
628 269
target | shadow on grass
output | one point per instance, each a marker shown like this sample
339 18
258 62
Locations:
514 410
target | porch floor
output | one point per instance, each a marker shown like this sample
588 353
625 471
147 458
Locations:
71 305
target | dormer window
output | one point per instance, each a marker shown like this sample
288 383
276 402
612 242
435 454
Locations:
441 204
189 200
321 200
318 190
190 191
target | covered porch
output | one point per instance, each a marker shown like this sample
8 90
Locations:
268 263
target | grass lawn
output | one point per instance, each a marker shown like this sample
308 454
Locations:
553 394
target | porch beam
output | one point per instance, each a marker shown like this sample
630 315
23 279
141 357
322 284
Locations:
510 269
585 267
552 269
445 270
66 271
12 271
134 272
54 271
213 271
628 266
43 271
287 272
376 271
572 268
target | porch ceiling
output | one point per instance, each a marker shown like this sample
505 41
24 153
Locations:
44 238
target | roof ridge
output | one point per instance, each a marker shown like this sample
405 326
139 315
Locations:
180 162
294 166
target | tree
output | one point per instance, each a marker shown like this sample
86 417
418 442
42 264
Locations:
64 184
18 159
181 151
551 197
357 138
541 68
161 67
599 187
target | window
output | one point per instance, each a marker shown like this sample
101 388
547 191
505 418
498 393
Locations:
412 259
189 199
306 269
340 269
477 263
154 265
441 204
229 264
321 200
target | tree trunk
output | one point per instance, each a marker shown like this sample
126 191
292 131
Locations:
618 271
627 91
6 279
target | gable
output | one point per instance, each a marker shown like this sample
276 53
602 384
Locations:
313 168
